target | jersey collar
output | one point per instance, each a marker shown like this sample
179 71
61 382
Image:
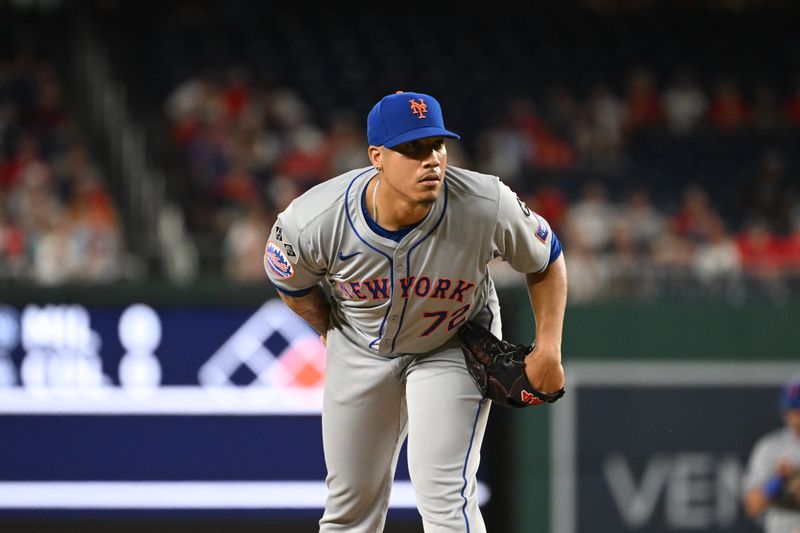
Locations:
422 229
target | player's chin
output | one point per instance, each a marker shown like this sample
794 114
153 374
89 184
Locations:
428 198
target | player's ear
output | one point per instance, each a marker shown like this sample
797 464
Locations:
376 156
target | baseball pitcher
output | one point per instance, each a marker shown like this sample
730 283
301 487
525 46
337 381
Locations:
389 264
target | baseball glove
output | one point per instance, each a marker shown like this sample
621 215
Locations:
498 368
788 494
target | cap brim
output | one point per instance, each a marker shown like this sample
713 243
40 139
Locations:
419 133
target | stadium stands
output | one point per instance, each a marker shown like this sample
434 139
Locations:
58 221
664 154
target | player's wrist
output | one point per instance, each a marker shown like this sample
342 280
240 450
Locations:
550 351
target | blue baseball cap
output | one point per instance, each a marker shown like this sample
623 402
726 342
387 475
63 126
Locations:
403 117
790 395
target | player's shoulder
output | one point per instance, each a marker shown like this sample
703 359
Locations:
321 201
775 442
472 183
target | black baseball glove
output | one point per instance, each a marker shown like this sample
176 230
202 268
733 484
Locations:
787 494
498 368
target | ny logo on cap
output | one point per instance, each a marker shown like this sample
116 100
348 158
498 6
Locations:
418 108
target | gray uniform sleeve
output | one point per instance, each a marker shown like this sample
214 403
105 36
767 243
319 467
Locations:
760 466
292 260
522 238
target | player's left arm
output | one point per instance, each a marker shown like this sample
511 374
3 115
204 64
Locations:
312 307
294 266
768 484
548 294
526 241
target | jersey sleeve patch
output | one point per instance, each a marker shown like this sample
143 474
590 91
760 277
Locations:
276 261
541 231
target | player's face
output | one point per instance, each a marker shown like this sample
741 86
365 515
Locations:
415 169
792 417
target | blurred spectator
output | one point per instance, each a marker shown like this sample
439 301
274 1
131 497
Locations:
563 111
644 221
286 109
791 106
548 201
26 160
591 218
12 246
769 196
347 146
306 159
94 224
237 92
48 112
623 261
792 244
503 151
236 188
544 148
35 203
282 191
684 104
766 116
56 257
599 132
186 105
716 261
760 251
643 107
457 156
672 260
696 214
244 243
728 110
588 273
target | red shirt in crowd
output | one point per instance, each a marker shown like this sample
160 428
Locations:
761 252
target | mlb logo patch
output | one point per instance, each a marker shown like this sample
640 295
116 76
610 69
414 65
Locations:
276 261
542 232
529 398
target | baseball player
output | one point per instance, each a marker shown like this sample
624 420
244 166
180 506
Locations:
772 478
387 262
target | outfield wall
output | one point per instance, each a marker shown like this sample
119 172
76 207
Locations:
664 400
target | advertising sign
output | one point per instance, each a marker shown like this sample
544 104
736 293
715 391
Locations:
660 447
173 408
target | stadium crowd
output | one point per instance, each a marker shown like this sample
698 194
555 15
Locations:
252 149
660 175
58 221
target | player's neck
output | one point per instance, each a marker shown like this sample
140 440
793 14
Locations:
390 209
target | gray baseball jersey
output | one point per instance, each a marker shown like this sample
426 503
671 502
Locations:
394 366
762 466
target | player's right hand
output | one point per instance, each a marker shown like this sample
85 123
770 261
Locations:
544 370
